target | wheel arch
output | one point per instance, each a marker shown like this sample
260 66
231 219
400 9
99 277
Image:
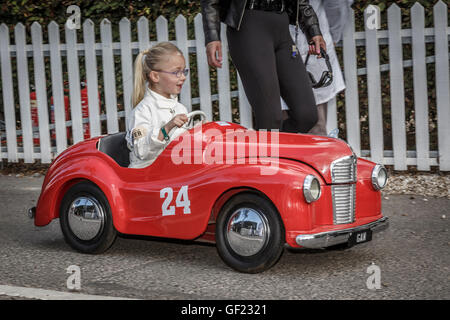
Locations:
62 191
112 196
237 255
62 178
227 195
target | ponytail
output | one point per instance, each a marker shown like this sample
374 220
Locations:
145 62
140 78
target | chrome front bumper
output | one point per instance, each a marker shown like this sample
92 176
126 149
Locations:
327 239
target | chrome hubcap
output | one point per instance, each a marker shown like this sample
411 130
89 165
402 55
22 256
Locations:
86 218
247 232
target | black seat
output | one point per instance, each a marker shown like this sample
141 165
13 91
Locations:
115 146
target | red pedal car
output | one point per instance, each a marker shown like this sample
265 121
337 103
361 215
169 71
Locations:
250 192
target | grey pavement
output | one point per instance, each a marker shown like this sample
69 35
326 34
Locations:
413 256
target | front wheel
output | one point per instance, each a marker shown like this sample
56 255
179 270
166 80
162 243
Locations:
249 233
86 220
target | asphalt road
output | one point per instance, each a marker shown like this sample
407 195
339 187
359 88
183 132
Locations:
413 257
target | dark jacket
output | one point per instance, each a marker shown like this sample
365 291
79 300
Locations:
231 12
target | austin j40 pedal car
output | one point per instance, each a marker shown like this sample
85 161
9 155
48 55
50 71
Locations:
251 192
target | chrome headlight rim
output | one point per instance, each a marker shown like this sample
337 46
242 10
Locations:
307 184
375 177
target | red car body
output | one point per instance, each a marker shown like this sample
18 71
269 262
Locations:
143 201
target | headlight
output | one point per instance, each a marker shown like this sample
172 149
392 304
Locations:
311 188
379 177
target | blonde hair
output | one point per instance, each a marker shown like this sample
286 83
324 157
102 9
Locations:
147 61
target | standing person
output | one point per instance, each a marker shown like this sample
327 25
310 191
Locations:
159 74
265 56
332 15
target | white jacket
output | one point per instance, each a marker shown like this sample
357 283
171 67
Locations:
144 125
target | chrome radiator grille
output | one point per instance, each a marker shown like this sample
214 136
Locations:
344 195
343 170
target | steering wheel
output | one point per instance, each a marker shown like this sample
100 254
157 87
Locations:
190 124
191 116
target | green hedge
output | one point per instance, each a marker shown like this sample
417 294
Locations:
44 11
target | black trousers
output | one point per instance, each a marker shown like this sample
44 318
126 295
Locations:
262 52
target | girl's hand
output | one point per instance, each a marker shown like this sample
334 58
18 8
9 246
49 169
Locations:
177 121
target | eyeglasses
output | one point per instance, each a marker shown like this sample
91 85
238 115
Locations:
327 76
176 73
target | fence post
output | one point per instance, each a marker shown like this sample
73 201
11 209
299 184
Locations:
223 80
74 84
8 93
57 88
332 121
374 94
397 87
162 33
202 68
109 79
41 92
91 78
143 34
351 85
127 66
24 93
181 35
420 87
8 96
440 12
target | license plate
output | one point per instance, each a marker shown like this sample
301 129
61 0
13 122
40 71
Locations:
361 237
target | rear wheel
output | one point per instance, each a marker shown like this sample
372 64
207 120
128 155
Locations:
249 233
86 220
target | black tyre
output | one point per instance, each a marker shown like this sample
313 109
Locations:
86 220
249 233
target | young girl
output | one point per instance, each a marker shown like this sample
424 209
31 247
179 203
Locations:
159 75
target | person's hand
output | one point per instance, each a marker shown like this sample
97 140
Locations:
212 48
177 121
315 44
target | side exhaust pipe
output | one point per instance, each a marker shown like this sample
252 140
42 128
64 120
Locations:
31 212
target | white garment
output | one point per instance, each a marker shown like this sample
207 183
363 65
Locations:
318 66
145 123
338 13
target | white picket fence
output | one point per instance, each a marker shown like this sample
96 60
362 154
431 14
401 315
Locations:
418 36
